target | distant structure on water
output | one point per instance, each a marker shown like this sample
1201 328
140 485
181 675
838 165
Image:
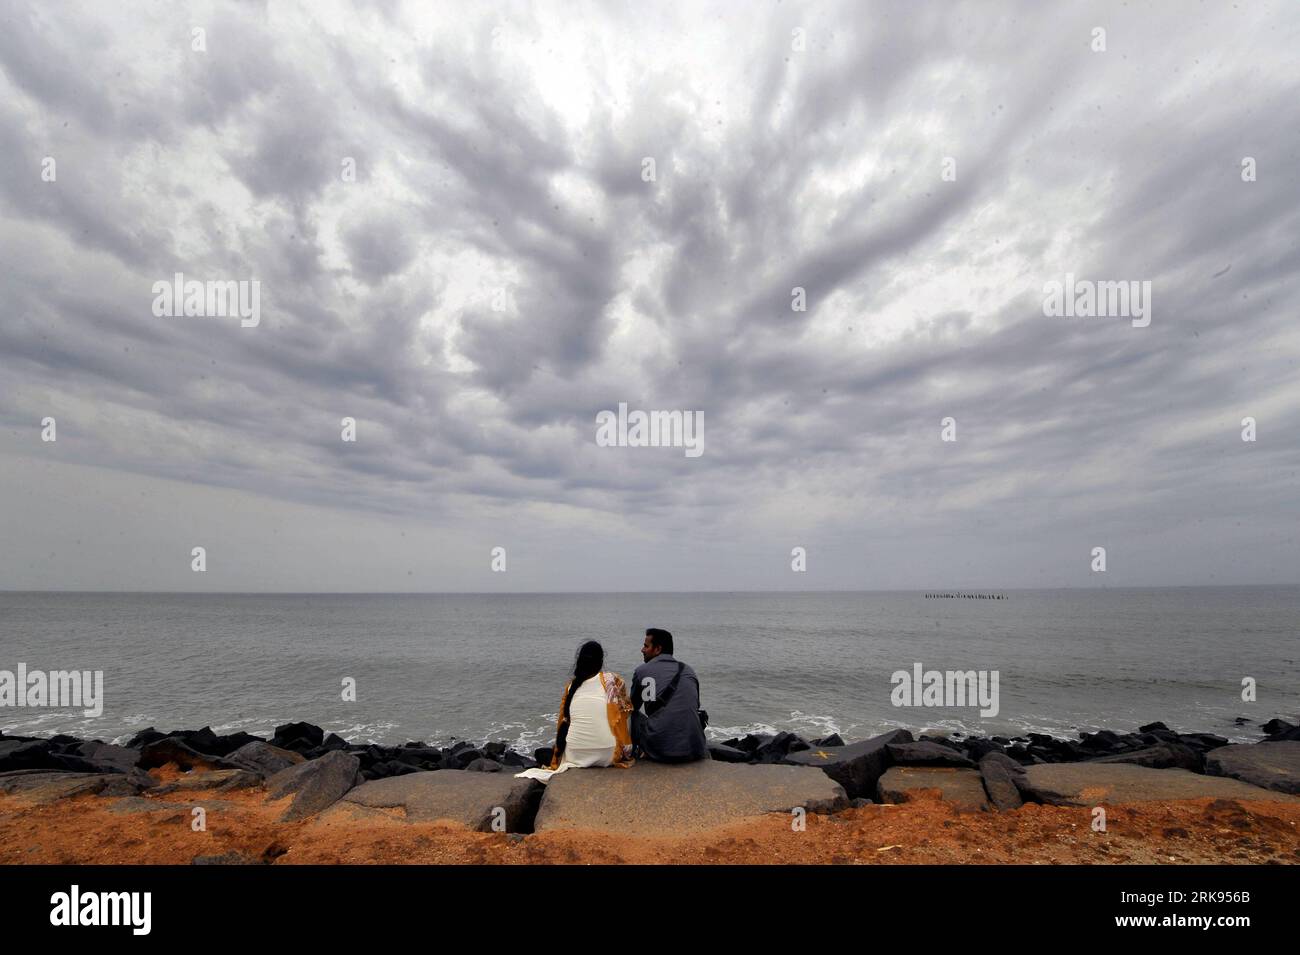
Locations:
959 595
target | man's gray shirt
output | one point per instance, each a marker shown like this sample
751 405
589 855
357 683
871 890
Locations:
671 734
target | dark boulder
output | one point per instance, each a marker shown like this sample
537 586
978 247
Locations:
109 758
1276 725
832 740
149 735
753 741
203 740
728 754
1021 754
1101 742
778 747
1000 773
169 749
1160 756
25 754
428 757
543 755
1281 732
460 759
927 753
1151 727
314 785
977 747
1202 742
855 766
387 768
334 742
225 745
298 737
263 758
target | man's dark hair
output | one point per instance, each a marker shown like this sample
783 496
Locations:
661 639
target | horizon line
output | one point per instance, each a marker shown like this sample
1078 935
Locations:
543 593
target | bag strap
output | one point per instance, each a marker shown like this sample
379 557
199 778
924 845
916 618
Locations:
662 700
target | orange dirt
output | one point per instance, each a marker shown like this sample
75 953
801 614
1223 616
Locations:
83 830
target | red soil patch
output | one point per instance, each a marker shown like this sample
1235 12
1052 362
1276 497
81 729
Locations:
924 831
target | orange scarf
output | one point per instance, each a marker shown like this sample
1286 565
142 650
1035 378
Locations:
617 707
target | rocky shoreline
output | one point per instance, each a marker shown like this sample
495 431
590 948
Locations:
475 785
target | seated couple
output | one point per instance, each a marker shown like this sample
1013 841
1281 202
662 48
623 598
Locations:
602 724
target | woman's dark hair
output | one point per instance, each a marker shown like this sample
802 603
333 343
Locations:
589 661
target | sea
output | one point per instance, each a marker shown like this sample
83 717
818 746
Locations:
480 667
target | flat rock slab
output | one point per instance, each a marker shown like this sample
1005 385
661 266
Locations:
1087 784
455 795
42 786
221 780
962 787
856 766
654 799
175 810
1273 766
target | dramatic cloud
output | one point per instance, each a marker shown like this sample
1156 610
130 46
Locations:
459 245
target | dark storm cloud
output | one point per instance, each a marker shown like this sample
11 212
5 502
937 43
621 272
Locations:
499 272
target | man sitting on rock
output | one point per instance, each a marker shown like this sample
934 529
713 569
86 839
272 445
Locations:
667 723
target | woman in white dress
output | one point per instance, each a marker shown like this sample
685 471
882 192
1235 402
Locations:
592 728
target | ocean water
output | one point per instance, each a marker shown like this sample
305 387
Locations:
479 667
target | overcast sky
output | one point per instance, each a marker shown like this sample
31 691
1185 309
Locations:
499 153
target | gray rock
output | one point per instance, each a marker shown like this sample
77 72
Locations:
455 795
925 753
484 765
172 750
1274 766
1161 756
220 780
857 767
263 758
1093 783
109 758
24 754
227 858
174 811
727 754
999 773
43 786
315 785
657 799
47 786
959 786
